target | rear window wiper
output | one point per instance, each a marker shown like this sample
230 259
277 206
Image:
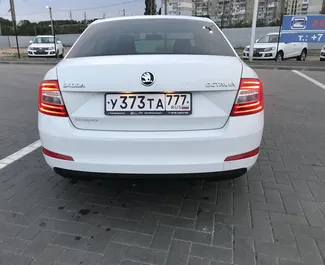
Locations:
209 28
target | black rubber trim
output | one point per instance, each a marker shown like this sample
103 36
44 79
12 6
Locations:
223 175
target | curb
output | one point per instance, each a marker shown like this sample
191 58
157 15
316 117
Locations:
300 68
30 62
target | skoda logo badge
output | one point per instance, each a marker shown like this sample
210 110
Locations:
147 79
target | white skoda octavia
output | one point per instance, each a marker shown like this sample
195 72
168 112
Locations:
151 96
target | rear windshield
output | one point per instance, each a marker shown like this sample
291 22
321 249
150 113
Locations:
151 36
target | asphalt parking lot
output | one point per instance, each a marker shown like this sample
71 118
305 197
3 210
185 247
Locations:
272 216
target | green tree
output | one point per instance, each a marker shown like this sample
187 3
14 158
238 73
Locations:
150 7
260 23
23 23
5 22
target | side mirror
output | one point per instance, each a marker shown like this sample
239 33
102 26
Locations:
30 41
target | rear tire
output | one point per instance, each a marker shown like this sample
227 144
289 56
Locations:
302 56
62 54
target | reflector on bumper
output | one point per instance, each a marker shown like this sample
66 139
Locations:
243 156
56 155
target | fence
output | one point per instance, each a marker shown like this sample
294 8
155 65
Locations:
10 41
238 37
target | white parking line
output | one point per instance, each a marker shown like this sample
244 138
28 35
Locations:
19 154
309 79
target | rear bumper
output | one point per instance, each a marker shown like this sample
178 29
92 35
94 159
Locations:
222 175
178 152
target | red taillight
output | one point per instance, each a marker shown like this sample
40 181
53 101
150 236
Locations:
250 98
56 155
244 155
50 101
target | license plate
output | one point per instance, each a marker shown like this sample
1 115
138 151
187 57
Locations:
148 104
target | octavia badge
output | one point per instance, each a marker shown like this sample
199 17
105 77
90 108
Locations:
147 79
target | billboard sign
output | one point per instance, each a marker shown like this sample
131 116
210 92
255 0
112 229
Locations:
303 28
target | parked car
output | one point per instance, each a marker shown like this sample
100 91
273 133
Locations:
268 48
151 96
322 54
44 46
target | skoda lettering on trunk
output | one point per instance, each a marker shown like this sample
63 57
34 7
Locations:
72 85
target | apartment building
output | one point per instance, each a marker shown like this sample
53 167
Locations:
230 12
316 7
297 7
223 12
269 11
180 7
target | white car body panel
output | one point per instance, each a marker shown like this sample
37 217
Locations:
198 143
290 50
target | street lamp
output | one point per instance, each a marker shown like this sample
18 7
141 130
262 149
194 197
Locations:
52 27
14 23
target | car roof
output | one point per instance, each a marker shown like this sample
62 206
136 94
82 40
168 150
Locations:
153 17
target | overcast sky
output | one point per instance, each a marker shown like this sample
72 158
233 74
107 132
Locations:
34 10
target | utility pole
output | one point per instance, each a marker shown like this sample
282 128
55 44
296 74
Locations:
195 7
282 7
230 6
52 24
85 18
265 12
208 8
13 18
70 14
166 3
223 14
123 12
104 15
35 30
53 31
251 47
0 30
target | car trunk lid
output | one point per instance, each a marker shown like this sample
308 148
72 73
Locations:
211 81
